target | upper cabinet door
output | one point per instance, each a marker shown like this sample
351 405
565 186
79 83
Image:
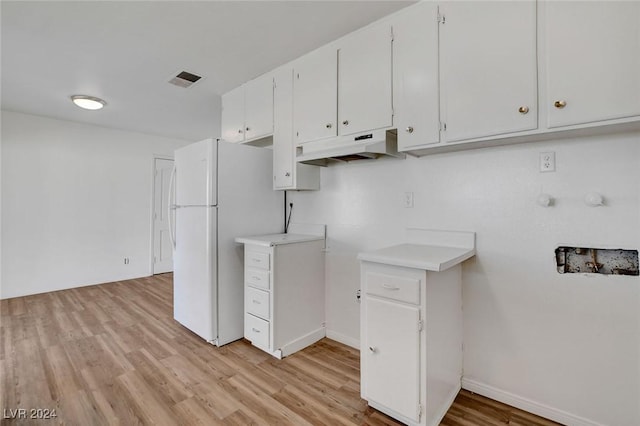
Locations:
488 68
415 76
233 115
364 80
258 107
593 61
283 149
315 95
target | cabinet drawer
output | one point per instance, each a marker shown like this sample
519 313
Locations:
257 260
393 287
256 302
256 330
257 278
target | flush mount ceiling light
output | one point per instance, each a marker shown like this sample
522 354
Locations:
88 102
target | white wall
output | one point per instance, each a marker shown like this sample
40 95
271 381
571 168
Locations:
567 342
76 201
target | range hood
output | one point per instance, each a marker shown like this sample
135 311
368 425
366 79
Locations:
349 148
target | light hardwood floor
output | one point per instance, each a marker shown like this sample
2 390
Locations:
112 354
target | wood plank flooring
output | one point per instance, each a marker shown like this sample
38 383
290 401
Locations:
111 354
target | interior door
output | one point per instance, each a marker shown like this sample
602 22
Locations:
162 247
194 278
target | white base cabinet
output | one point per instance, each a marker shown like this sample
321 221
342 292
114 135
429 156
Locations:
284 296
411 341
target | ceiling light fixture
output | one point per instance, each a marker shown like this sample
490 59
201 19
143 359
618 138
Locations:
88 102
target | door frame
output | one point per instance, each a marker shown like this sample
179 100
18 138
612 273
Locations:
152 210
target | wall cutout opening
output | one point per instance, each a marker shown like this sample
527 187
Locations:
571 260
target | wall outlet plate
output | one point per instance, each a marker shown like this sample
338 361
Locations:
408 200
547 162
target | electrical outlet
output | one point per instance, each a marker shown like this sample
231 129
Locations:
408 200
547 162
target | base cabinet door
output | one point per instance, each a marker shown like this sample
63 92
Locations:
392 352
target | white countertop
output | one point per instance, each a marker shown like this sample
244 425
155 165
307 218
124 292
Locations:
278 239
419 256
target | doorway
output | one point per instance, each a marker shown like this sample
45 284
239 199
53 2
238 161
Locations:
162 261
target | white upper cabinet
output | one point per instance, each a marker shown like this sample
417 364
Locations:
315 98
258 107
415 76
592 61
488 68
247 111
233 115
345 87
364 80
287 173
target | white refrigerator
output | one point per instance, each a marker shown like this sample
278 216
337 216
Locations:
219 191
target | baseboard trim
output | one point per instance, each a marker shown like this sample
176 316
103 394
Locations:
443 410
302 342
344 339
526 404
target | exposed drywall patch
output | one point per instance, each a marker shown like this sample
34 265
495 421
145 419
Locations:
571 260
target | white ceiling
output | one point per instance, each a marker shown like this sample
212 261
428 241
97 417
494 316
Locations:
125 52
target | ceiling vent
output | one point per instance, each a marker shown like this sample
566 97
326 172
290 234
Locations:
185 79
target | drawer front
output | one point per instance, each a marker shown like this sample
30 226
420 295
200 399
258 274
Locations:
256 330
257 260
256 302
257 278
404 289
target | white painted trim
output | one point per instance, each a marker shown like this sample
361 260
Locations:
303 342
344 339
526 404
445 407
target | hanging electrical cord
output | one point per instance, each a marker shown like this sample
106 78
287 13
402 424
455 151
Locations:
285 212
286 227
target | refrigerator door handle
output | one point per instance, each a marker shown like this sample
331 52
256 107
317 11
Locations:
172 207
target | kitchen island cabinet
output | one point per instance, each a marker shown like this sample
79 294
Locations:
411 329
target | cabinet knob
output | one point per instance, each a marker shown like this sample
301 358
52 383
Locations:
523 109
560 104
239 130
409 129
372 349
287 174
345 122
328 125
247 129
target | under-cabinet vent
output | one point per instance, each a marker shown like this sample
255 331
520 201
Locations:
185 79
596 261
